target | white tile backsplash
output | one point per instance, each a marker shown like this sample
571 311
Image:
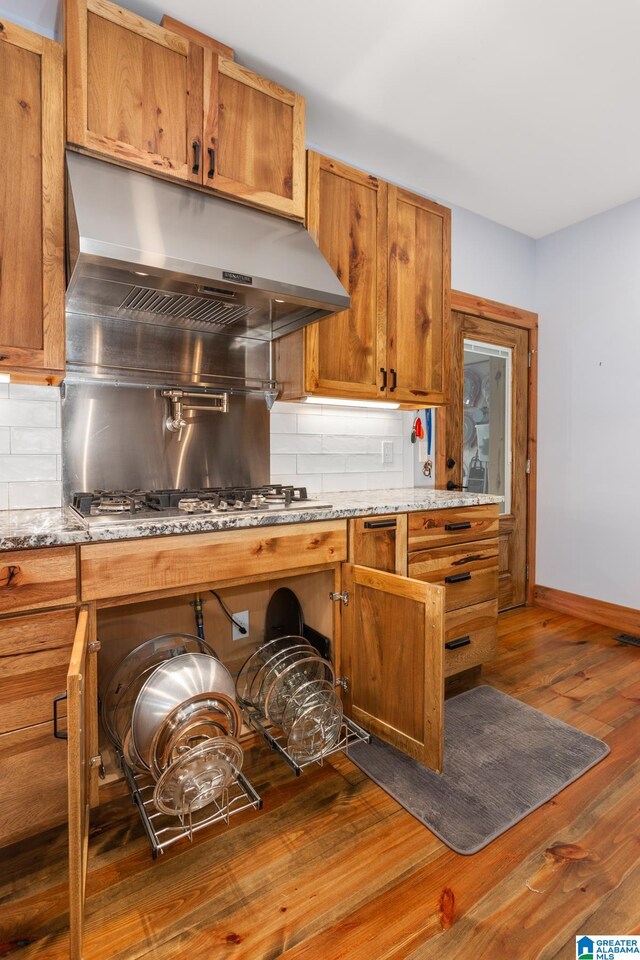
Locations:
30 447
36 440
28 495
338 448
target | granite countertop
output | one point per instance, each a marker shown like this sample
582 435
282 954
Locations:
22 529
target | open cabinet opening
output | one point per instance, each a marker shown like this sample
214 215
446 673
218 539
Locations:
121 629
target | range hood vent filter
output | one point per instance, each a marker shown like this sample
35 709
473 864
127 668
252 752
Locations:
207 311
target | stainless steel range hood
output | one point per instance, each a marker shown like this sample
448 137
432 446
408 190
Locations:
154 252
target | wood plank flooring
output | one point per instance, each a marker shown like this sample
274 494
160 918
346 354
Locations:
333 868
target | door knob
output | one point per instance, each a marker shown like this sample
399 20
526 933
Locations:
450 463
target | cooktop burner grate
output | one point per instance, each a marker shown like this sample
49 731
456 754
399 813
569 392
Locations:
102 506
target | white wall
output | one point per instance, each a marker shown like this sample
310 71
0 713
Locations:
588 284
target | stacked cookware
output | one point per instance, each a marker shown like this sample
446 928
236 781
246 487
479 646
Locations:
288 683
170 708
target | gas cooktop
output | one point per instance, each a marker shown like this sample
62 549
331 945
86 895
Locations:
112 506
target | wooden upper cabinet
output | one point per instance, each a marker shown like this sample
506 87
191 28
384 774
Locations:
391 251
254 138
31 205
343 355
166 100
419 298
134 90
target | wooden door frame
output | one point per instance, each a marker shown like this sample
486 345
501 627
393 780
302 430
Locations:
525 319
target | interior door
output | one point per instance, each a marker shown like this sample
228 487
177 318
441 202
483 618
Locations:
82 737
392 657
487 436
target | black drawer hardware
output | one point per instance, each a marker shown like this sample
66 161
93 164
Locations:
394 380
212 162
460 642
458 526
196 156
384 378
378 524
457 578
58 734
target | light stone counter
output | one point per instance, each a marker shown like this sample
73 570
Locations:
22 529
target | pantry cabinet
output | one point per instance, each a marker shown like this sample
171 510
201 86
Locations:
31 206
151 97
391 251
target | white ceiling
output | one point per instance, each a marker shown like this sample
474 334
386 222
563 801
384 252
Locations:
524 111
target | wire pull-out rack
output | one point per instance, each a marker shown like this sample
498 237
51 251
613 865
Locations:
350 733
162 831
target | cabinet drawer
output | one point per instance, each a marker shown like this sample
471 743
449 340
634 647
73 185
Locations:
436 528
33 782
37 578
34 659
472 635
379 542
469 571
143 566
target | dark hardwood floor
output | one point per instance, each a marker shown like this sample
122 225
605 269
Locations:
334 868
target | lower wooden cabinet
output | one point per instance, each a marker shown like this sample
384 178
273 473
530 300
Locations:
470 637
469 571
392 660
33 782
380 542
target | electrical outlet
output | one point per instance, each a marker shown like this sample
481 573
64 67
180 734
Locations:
386 451
242 618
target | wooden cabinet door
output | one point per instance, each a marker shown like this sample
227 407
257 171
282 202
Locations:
419 298
134 90
31 203
254 138
82 737
392 657
345 355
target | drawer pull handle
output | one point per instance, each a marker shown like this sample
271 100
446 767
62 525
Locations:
378 524
212 163
58 734
12 572
460 642
196 156
457 526
457 578
383 371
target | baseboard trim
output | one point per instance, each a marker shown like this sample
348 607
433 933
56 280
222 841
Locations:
611 615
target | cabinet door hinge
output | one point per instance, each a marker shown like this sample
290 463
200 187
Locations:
344 683
340 596
94 646
527 468
98 762
526 572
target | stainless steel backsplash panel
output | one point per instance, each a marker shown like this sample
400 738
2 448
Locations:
120 350
114 436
